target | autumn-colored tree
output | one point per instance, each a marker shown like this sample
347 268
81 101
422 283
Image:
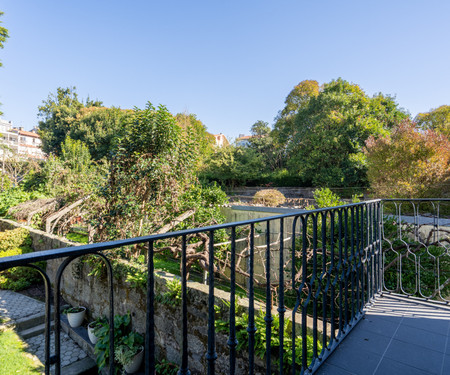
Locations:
437 119
409 163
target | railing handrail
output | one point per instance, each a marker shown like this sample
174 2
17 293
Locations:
16 260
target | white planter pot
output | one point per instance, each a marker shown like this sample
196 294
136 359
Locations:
133 367
76 319
91 334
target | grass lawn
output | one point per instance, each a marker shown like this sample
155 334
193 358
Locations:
13 358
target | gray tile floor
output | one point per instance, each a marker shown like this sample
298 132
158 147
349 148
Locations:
397 336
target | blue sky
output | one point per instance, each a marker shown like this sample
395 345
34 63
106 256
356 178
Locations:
229 62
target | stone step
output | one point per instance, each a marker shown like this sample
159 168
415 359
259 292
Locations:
85 366
27 322
34 331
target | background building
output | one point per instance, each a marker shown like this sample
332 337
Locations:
16 140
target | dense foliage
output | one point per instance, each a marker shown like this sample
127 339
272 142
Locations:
318 139
409 163
151 177
330 132
16 242
437 119
57 115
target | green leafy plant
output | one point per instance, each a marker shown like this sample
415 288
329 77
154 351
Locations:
326 198
131 345
16 242
165 367
261 338
172 296
73 310
123 335
97 323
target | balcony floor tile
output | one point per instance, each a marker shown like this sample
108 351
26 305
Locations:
397 336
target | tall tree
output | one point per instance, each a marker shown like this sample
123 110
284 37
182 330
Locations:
3 36
57 114
409 163
330 131
260 129
437 119
152 166
297 99
98 127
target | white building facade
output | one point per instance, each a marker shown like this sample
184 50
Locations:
16 140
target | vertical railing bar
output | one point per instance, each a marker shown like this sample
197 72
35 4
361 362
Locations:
111 313
211 356
281 307
48 291
47 321
268 318
184 369
314 282
369 253
347 267
363 264
332 269
353 263
305 284
358 259
325 274
341 274
251 329
150 316
57 317
293 272
379 247
232 341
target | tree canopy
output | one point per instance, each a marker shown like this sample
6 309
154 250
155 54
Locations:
57 117
437 119
297 99
409 163
330 131
153 166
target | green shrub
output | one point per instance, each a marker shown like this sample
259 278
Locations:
17 242
269 197
326 198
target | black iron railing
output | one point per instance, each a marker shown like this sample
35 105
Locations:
319 268
416 248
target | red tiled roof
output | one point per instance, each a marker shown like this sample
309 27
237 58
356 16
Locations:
28 134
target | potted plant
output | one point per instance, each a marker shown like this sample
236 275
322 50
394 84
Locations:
131 352
93 327
75 315
130 341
